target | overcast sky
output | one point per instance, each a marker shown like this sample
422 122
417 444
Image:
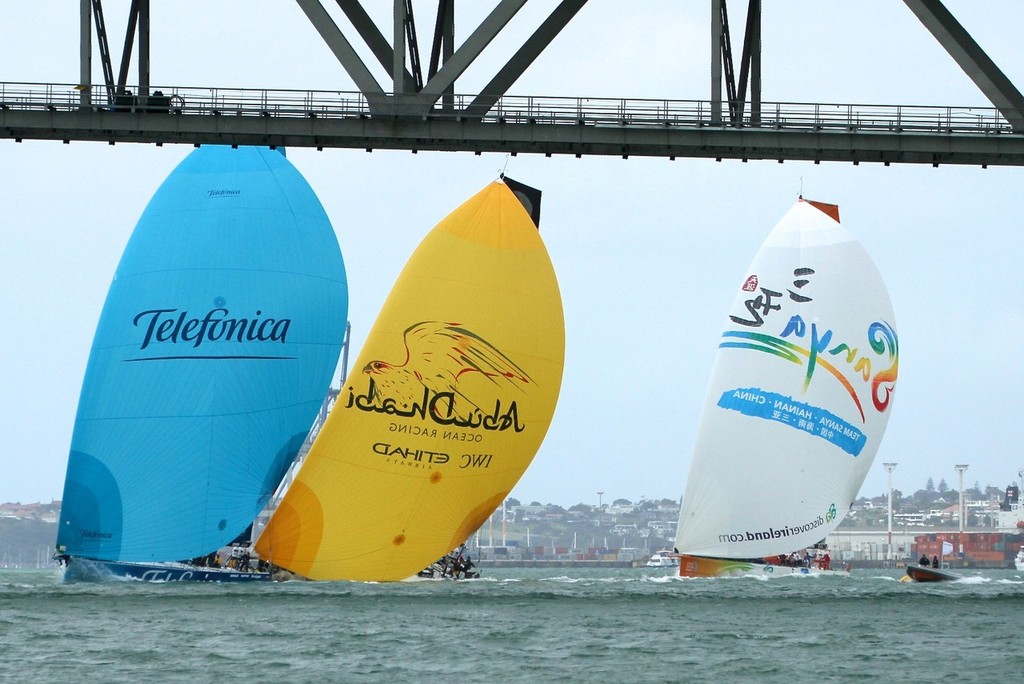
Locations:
648 252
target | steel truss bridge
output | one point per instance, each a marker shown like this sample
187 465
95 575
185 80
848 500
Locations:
418 113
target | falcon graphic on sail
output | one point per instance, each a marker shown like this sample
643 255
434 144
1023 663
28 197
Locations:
460 371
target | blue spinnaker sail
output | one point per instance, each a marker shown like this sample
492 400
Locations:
214 351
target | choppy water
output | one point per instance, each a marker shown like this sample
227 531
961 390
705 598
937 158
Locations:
516 625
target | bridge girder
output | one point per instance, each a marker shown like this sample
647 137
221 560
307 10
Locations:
410 113
474 135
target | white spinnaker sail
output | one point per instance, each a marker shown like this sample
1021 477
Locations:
799 397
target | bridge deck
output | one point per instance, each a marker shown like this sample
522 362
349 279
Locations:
550 125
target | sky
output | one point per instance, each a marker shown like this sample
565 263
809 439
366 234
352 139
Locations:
648 252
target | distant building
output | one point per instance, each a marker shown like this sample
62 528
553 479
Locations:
663 527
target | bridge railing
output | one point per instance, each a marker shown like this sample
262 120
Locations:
581 111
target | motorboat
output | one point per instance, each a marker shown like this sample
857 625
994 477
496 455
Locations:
663 559
925 573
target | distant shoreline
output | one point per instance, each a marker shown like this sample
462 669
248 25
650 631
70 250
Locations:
490 563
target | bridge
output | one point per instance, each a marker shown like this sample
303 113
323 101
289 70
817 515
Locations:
424 112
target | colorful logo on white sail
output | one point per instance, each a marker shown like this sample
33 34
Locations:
816 421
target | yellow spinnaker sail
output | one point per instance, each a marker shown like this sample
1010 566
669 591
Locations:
444 409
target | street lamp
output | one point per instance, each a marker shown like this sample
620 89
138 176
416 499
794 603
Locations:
889 467
960 469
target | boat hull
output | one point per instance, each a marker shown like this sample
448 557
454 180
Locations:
440 578
79 569
704 566
920 573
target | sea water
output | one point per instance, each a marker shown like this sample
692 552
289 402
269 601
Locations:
528 625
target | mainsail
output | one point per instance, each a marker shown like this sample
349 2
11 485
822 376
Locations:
446 406
799 397
214 350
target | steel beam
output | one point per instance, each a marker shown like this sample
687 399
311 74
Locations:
401 85
370 34
470 50
524 57
412 41
342 50
444 19
126 49
750 64
101 37
85 52
716 60
1003 95
443 47
144 47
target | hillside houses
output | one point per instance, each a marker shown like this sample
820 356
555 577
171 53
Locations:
31 511
627 531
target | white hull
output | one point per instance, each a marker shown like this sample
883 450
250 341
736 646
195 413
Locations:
662 560
705 566
781 571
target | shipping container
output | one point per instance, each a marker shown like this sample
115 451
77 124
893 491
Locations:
979 549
